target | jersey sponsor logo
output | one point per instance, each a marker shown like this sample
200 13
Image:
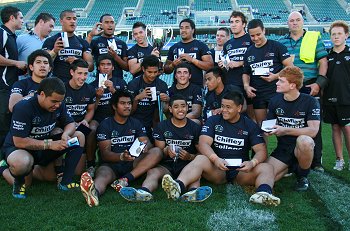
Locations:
102 51
238 51
101 45
242 132
68 52
285 54
279 111
228 47
193 55
182 143
101 136
199 98
43 130
77 109
18 125
123 140
16 90
237 58
269 54
265 63
156 136
228 140
168 134
291 122
299 113
140 55
219 128
316 112
205 128
347 58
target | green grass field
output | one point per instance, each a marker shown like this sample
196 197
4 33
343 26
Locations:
325 206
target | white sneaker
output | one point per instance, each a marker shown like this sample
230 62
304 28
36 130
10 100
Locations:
197 195
264 198
339 165
171 187
132 194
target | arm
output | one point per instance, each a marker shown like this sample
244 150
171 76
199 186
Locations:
14 98
122 62
134 66
88 58
10 62
246 83
94 32
68 131
144 94
204 147
33 144
90 113
273 76
311 130
170 65
196 111
205 64
106 153
259 157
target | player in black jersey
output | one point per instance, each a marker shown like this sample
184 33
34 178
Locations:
225 142
178 138
39 66
115 136
28 144
298 120
222 36
107 43
190 91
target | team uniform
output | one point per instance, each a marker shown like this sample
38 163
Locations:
336 95
100 46
146 107
25 87
291 114
104 109
215 55
122 137
185 137
192 93
138 52
232 140
196 49
77 47
271 56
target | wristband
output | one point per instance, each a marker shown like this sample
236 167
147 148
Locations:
322 81
213 157
121 156
46 144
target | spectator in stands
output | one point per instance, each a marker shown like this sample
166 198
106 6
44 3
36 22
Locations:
313 62
222 36
336 94
189 50
12 20
262 63
108 43
140 50
298 118
64 56
34 40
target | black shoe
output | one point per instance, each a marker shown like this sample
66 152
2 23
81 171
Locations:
19 190
302 184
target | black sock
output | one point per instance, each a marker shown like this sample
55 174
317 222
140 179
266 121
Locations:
145 189
264 188
129 176
302 172
90 163
58 169
71 161
19 179
182 186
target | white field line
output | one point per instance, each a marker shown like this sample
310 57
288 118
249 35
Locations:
335 195
240 214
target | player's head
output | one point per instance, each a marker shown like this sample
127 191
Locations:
187 29
290 78
45 22
295 22
107 24
222 35
12 15
214 78
182 73
256 31
178 106
238 22
39 63
105 64
68 20
139 32
51 93
232 104
79 70
121 103
150 67
339 32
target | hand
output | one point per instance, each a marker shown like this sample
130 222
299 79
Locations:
96 30
58 145
234 64
176 62
315 88
250 91
21 65
155 52
84 122
70 59
99 92
146 93
216 111
271 77
58 45
246 166
186 57
109 85
221 164
125 156
164 97
279 131
65 137
171 153
112 52
221 64
184 155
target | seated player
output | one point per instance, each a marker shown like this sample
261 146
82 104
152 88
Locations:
28 143
298 120
115 135
178 138
224 139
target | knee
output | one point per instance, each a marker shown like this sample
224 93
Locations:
264 168
200 160
305 143
20 164
156 152
81 138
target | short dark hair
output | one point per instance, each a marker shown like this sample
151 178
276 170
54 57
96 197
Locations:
7 12
237 14
52 85
78 63
139 24
255 23
117 95
150 61
42 53
45 17
64 12
104 57
104 15
234 95
192 24
217 72
225 29
176 97
183 65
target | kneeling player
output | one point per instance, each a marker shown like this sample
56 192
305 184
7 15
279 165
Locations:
224 139
115 136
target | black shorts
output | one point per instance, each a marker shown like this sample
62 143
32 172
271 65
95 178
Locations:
231 175
174 168
120 168
262 99
337 114
285 154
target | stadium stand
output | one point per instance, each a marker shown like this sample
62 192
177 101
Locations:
211 5
24 6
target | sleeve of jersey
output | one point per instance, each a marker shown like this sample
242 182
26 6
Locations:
246 67
196 133
256 134
164 88
131 54
65 118
204 49
103 133
93 47
92 94
124 50
1 40
132 88
49 44
17 87
197 94
282 51
158 133
314 110
171 53
21 123
208 127
86 46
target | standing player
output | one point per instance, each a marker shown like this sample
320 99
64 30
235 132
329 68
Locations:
262 62
337 94
107 43
222 36
298 118
189 50
115 136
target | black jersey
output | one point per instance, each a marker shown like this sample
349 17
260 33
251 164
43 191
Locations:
269 56
78 100
77 47
29 119
215 55
25 87
293 114
104 108
192 93
99 46
146 107
235 48
121 136
195 49
139 53
233 140
337 91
